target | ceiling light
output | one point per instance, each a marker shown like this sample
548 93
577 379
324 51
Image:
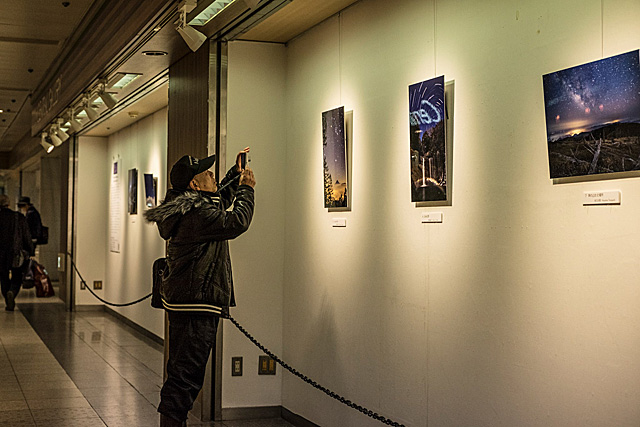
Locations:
210 12
155 53
54 138
75 123
120 80
45 144
61 133
89 111
191 36
109 100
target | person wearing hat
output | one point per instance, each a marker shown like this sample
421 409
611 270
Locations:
197 285
14 236
33 218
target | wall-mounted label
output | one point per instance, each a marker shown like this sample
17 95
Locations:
339 222
601 198
431 217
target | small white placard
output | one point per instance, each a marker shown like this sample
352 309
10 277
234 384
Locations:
339 222
431 217
601 198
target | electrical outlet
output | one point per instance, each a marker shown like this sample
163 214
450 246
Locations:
236 366
266 366
97 284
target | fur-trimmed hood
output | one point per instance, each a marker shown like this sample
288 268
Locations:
173 207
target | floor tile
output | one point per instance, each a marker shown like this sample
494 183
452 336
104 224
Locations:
70 402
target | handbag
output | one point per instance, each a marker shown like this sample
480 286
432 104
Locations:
43 238
20 256
159 267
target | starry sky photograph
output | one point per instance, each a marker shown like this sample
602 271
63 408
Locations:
335 150
589 96
426 104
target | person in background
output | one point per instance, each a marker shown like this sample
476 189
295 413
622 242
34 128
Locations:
197 287
33 219
14 236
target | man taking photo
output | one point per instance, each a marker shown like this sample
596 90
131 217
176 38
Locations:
197 285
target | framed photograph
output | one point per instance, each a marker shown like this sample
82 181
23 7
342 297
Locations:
150 190
427 142
334 149
133 191
592 113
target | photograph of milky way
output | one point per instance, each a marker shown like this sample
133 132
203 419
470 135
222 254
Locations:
334 149
593 117
427 141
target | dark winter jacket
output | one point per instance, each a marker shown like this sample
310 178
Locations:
197 226
35 222
10 241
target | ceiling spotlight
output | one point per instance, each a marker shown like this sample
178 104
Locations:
89 111
45 144
191 36
75 123
54 138
61 133
109 100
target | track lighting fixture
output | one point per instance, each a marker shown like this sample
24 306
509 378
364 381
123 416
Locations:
54 137
190 35
88 109
45 144
109 100
75 124
60 132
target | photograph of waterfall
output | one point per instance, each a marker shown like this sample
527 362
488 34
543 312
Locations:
593 117
427 141
334 150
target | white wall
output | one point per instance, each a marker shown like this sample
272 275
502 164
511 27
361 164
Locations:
255 119
92 215
142 146
522 307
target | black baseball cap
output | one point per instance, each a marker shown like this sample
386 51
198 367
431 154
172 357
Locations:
24 201
186 168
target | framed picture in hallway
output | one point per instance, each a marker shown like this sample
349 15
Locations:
334 150
592 114
150 190
133 191
427 142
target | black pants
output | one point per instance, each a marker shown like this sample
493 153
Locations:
11 284
191 338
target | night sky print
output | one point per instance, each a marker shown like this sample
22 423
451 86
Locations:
426 103
335 159
427 140
588 96
593 117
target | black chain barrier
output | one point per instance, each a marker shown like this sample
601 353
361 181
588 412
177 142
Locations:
94 294
309 381
292 370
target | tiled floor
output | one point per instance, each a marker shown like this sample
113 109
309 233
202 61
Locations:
80 369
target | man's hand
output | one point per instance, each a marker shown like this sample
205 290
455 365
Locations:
247 178
238 161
